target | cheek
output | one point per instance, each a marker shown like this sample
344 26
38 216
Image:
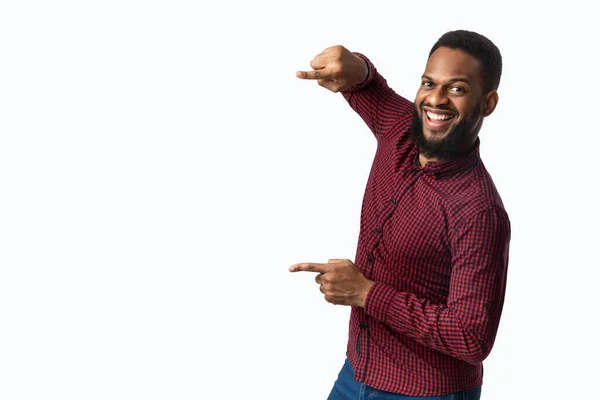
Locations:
465 106
419 103
419 99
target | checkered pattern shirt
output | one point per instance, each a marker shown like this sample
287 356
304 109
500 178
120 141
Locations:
435 241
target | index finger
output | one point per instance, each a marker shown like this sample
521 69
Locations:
310 267
316 74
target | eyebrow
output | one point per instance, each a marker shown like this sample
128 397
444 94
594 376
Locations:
453 80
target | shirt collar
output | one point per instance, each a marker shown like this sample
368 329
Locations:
438 169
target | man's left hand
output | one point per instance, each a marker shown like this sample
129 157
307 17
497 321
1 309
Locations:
341 282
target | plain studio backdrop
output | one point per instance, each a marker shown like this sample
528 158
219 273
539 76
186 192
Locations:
161 167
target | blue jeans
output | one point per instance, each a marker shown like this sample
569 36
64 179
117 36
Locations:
346 388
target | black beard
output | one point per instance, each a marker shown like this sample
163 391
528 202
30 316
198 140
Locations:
450 146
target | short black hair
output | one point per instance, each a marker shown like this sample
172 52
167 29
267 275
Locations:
480 47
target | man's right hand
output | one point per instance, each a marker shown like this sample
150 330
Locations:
336 69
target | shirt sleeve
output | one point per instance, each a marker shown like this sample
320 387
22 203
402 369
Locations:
466 326
376 103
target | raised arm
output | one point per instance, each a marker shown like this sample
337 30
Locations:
339 70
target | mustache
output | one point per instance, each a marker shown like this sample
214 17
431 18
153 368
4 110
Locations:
444 108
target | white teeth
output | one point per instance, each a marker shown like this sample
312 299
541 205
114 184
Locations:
438 117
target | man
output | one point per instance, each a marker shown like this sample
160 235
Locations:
428 282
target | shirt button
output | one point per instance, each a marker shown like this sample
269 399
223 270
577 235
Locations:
370 257
393 201
363 326
378 230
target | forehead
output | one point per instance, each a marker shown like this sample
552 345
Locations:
446 63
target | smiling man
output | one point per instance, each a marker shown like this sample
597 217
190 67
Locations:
428 281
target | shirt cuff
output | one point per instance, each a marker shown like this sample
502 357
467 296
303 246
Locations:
379 300
370 75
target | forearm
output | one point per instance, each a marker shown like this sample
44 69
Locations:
434 325
465 326
377 103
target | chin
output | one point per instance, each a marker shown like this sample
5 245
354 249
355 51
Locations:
435 135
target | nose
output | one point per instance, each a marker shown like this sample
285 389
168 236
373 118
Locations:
437 97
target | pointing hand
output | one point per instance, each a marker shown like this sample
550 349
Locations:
341 282
336 69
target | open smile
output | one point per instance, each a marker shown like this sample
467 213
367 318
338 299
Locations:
437 119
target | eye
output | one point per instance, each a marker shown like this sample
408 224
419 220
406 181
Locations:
427 84
457 89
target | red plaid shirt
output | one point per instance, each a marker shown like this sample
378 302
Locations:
435 241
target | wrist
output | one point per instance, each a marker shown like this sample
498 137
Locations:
367 71
365 293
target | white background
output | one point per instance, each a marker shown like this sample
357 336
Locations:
161 167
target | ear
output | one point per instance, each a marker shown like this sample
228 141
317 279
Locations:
490 100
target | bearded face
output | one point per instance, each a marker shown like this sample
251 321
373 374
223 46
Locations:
450 105
449 145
